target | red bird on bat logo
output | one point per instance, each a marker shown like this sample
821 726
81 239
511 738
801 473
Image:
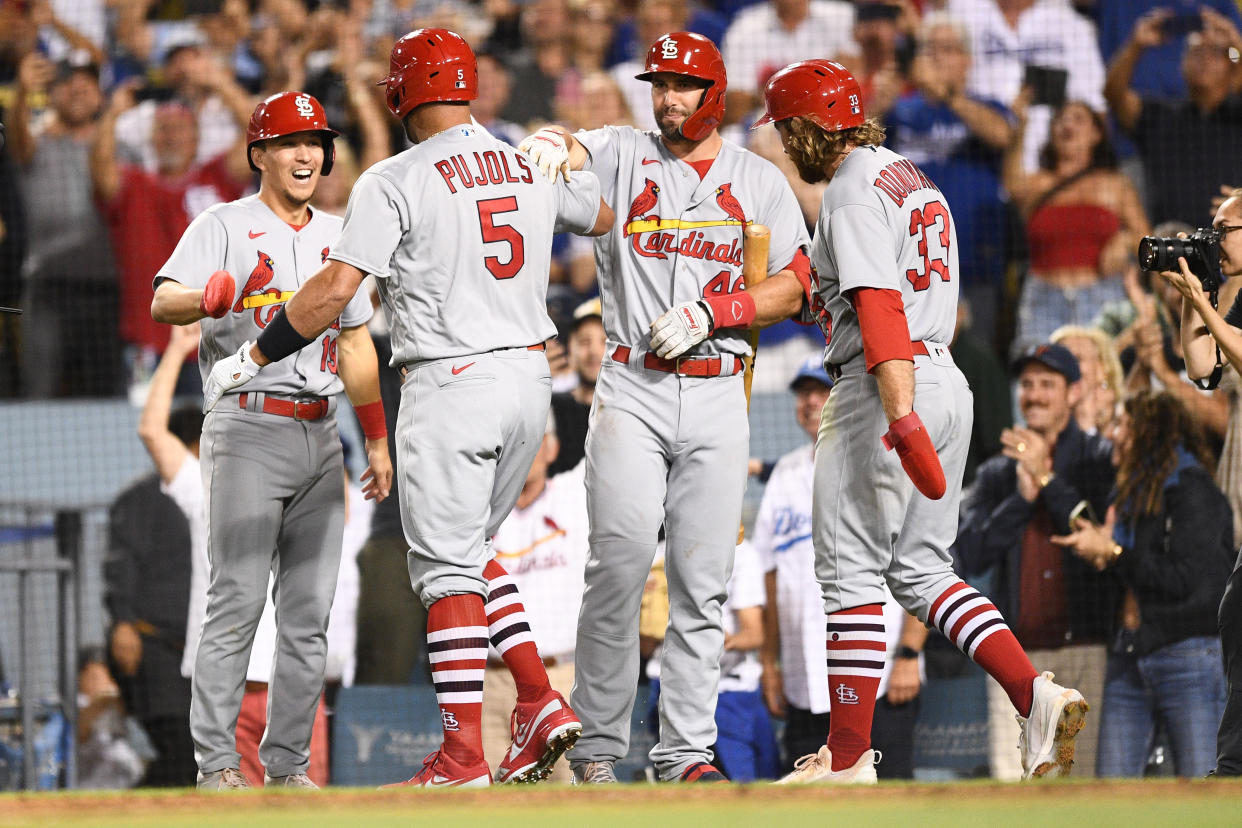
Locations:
644 201
258 279
724 197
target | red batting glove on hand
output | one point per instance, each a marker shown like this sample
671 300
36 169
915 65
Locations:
217 295
918 456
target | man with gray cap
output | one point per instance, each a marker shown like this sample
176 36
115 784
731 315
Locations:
1048 472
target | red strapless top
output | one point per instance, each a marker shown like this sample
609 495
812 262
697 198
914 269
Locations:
1064 236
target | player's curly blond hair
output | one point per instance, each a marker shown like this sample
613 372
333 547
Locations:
813 149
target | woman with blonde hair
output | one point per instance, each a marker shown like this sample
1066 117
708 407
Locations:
1103 382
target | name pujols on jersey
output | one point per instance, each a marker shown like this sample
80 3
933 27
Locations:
489 167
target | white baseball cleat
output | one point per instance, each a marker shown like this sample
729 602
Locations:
293 780
817 767
226 779
1047 741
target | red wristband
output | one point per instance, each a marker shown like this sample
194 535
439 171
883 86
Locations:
731 310
371 418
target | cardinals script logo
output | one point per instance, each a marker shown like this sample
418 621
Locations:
265 301
654 238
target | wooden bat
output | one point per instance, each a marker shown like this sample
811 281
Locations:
755 241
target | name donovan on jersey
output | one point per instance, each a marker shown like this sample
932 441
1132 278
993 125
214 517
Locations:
901 178
490 167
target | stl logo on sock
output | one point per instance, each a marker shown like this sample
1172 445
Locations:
449 720
846 695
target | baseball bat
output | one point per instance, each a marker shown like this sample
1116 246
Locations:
755 241
10 310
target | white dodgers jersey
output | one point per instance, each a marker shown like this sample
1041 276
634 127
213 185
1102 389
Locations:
883 224
269 261
458 232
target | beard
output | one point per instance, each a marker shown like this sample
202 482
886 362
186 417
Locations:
807 172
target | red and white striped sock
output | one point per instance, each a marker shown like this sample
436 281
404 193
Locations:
510 634
976 627
856 644
457 650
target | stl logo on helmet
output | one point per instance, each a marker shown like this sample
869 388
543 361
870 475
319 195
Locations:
303 103
668 49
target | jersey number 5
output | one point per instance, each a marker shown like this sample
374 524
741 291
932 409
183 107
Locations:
922 221
489 208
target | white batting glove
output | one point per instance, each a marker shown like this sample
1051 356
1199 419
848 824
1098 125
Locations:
547 148
229 373
680 329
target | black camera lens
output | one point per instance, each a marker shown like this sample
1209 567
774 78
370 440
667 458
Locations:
1160 254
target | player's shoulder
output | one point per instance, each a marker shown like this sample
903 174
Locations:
747 159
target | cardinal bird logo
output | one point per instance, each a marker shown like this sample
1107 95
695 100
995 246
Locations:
644 201
724 197
258 279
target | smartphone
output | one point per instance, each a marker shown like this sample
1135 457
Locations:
1179 25
1083 510
876 11
1047 84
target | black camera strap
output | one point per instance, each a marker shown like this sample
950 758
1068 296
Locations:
1212 380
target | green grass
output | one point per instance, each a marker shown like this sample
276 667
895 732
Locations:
961 805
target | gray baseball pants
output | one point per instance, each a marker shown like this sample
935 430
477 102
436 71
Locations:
275 503
671 450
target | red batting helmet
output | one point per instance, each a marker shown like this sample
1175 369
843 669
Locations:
819 90
686 53
285 114
430 65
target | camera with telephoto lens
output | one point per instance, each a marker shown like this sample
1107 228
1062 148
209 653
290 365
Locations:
1200 249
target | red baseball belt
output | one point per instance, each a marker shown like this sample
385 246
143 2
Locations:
297 410
683 366
917 346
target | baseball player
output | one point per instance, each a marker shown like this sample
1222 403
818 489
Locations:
885 263
271 457
669 438
458 232
795 684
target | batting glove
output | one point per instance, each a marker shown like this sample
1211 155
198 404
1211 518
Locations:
681 328
918 456
228 374
217 295
547 149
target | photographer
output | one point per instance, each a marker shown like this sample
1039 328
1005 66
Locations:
1204 330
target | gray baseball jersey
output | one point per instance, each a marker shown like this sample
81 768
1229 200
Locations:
681 236
272 485
269 261
666 450
883 224
458 231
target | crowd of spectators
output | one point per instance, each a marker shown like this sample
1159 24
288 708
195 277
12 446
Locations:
1059 132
